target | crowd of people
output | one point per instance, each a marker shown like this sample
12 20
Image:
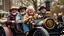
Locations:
23 15
59 17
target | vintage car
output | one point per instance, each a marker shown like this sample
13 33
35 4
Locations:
12 31
42 27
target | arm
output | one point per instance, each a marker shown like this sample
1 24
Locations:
36 16
25 19
8 19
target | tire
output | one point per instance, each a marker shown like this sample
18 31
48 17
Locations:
38 32
2 32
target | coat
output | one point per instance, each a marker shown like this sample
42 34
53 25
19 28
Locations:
10 18
25 19
60 19
42 14
19 18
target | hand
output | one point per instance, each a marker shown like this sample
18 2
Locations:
30 17
39 16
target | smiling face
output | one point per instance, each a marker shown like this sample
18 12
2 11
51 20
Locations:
22 10
14 12
43 10
30 12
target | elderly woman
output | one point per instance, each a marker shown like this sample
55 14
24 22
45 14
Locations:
30 16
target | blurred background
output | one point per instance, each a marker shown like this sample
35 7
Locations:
56 6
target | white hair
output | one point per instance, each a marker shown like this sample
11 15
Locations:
30 8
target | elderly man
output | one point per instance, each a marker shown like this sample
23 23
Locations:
20 15
42 12
12 16
11 19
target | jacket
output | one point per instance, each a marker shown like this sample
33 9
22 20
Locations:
25 19
42 14
19 18
11 17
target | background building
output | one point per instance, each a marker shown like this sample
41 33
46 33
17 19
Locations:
5 5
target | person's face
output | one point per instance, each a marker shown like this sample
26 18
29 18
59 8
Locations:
14 11
22 10
43 10
31 12
59 14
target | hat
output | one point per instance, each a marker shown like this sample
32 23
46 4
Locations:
42 7
21 8
12 9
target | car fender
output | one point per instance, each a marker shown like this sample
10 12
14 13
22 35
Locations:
41 29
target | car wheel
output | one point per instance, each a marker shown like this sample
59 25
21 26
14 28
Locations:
38 32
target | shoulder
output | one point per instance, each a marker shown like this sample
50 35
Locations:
35 15
26 15
18 14
9 15
38 13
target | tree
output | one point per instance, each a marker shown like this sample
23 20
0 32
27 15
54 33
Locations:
61 2
35 3
55 7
